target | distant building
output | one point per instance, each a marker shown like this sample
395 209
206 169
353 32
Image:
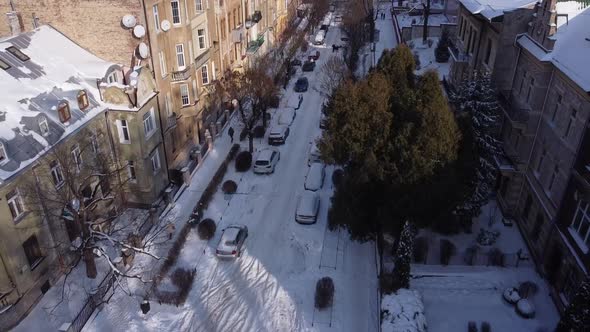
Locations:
56 95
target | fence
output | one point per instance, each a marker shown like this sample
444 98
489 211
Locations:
479 257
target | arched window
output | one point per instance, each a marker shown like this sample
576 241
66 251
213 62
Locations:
64 112
83 99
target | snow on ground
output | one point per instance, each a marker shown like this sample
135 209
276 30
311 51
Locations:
271 287
406 21
427 60
386 40
403 311
455 295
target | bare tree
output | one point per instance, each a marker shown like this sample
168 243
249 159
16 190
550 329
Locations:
426 5
332 73
319 9
80 190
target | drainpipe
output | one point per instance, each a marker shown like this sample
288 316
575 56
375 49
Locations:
112 144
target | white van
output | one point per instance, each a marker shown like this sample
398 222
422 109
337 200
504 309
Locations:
308 206
314 154
315 177
319 37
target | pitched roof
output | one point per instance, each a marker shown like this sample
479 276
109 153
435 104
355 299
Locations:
53 70
491 9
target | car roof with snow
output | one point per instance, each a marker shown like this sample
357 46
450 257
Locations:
307 203
314 176
265 154
278 129
286 116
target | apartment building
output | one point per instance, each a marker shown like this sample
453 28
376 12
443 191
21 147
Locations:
544 130
60 109
485 39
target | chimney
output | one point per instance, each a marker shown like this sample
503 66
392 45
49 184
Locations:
15 22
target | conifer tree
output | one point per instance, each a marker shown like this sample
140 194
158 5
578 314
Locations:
577 314
403 258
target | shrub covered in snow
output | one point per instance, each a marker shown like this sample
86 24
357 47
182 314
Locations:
496 257
183 280
403 254
486 327
486 237
229 187
511 295
447 250
577 314
525 308
403 311
243 161
324 293
420 249
472 326
206 229
259 132
527 289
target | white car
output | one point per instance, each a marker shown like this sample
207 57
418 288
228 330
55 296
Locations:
319 37
308 206
266 161
278 135
231 242
314 154
315 177
287 117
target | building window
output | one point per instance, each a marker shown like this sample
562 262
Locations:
205 74
149 125
556 108
83 99
56 173
541 158
3 155
123 128
43 126
156 162
199 5
570 123
553 177
201 36
180 56
15 204
17 53
63 111
32 251
112 78
581 224
184 96
489 51
156 18
530 90
76 157
131 171
163 69
4 65
527 207
175 11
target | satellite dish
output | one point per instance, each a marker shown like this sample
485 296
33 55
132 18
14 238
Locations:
133 82
143 51
165 25
129 21
133 74
139 31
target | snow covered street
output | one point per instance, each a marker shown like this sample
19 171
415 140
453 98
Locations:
271 286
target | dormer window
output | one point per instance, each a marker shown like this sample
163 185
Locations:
43 126
4 65
112 78
18 53
3 155
64 112
83 99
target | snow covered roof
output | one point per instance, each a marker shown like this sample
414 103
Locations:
491 9
571 49
40 70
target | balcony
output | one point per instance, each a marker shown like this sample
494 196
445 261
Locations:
171 121
237 34
181 75
254 45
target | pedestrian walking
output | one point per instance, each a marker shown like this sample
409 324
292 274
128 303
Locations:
231 134
170 228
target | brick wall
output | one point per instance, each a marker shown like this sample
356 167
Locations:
94 24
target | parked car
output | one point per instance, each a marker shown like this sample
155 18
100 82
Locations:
266 161
314 57
338 18
232 241
308 206
278 135
301 84
315 177
287 116
295 62
319 37
308 66
314 154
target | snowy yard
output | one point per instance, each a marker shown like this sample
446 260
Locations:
271 287
427 60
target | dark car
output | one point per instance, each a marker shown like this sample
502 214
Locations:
314 56
295 62
302 84
308 66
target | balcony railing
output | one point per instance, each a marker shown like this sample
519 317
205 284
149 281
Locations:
181 75
254 45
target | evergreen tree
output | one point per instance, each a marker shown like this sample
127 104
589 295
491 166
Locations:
577 315
403 258
478 100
